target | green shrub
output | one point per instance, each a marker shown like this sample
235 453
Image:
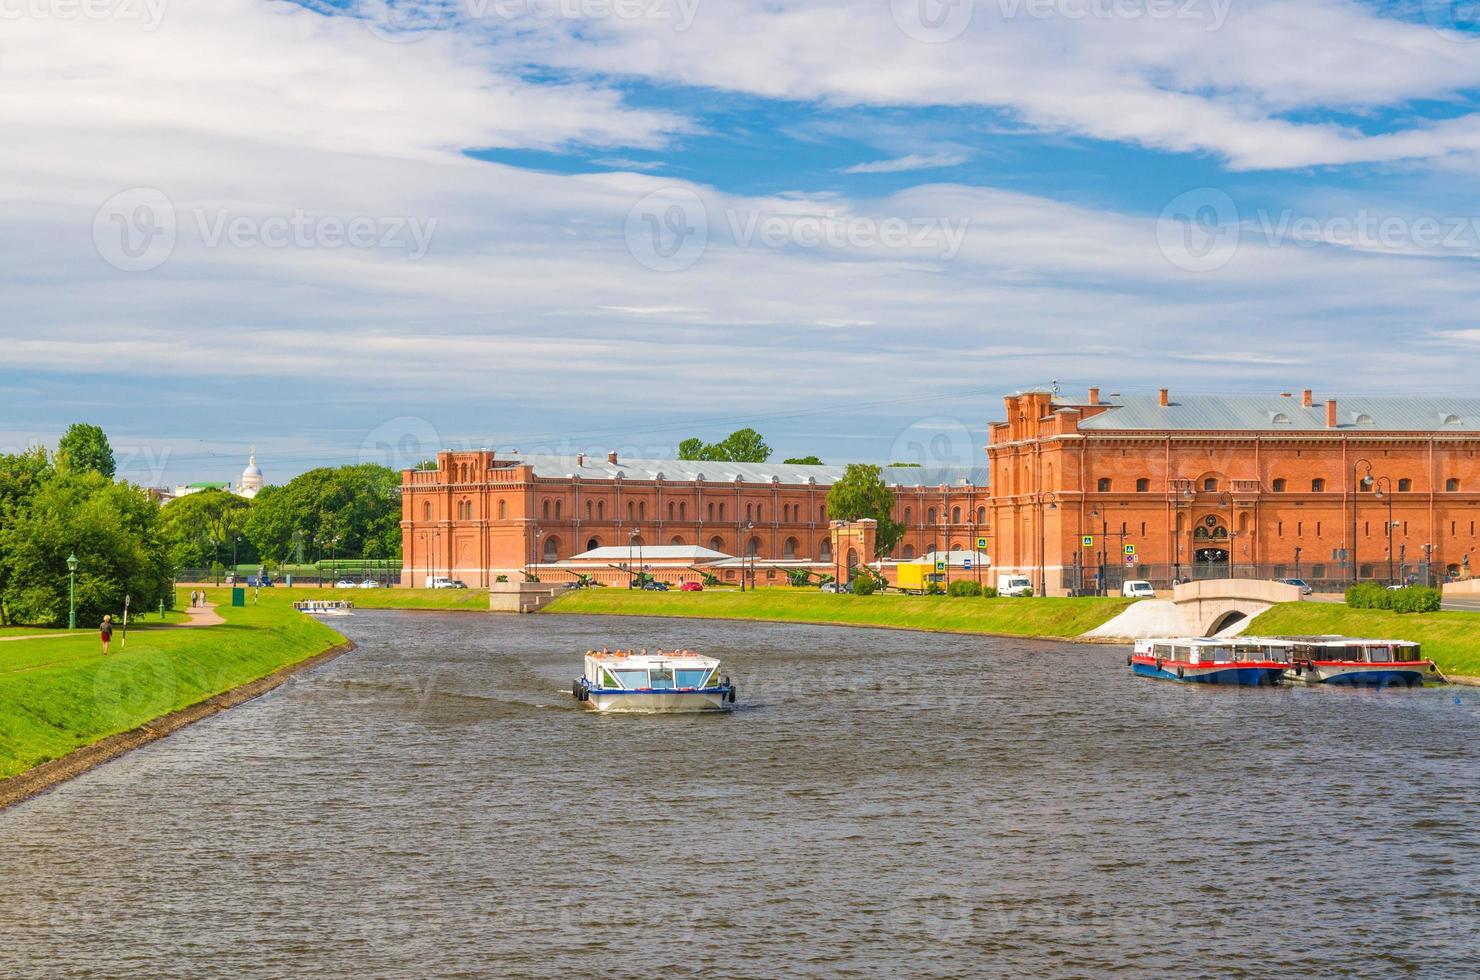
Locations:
864 584
964 588
989 591
1415 599
1368 595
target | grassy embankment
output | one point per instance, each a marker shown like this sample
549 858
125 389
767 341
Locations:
1015 617
1450 639
470 599
57 695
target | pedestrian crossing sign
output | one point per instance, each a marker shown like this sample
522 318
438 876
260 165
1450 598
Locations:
981 543
1089 540
1130 549
940 566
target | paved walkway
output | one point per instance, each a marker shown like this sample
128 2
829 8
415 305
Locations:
198 616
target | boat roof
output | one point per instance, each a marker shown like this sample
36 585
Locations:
1334 639
627 658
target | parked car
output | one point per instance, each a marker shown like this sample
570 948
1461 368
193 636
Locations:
345 583
836 587
651 586
1300 584
369 583
1014 585
691 587
1137 589
443 582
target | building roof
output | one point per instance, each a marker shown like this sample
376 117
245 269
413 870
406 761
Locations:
955 558
1277 413
650 553
688 470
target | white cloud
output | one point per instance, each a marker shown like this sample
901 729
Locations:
910 161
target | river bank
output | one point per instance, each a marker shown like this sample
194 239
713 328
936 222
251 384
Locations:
65 708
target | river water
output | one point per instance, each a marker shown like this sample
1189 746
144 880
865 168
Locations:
435 804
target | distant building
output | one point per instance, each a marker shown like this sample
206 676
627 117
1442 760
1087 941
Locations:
250 485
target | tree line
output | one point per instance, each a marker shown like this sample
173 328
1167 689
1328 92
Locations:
57 504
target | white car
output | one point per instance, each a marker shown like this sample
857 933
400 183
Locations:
346 583
1138 589
443 582
369 583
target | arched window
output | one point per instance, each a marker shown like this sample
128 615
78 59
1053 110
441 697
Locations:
1279 485
1405 485
909 552
930 516
641 510
588 510
1143 485
1451 485
675 540
426 510
601 510
721 511
906 516
955 515
824 550
760 510
716 544
1210 484
557 510
1104 484
545 510
789 548
822 513
593 543
503 510
749 513
631 510
552 548
981 515
670 510
711 511
1318 485
754 548
852 559
682 510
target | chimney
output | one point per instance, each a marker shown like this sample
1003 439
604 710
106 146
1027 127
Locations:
611 457
580 459
1330 413
1164 399
1307 398
1094 396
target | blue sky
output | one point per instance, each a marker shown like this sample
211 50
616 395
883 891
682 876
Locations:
344 231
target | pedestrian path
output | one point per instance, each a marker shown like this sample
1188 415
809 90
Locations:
199 616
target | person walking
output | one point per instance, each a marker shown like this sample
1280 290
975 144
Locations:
105 632
193 594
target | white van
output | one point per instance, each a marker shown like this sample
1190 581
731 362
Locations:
443 582
1015 585
1138 589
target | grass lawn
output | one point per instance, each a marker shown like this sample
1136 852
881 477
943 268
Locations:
1018 617
1450 639
474 599
58 695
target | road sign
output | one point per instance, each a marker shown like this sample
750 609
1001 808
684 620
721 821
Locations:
981 543
1130 549
966 564
1089 540
940 566
1130 559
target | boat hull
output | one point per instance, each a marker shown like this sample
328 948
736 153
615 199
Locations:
1362 674
1239 675
658 702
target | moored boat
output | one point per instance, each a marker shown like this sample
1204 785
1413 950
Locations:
1211 661
672 681
1357 662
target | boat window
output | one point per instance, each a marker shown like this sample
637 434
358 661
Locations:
607 680
662 678
632 680
692 677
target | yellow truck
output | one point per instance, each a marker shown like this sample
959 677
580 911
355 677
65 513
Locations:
916 576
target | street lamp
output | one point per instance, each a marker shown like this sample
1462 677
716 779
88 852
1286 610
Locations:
1050 498
747 556
631 543
1385 492
72 591
1102 587
1357 487
539 533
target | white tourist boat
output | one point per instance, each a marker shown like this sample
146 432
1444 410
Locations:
1357 662
671 681
325 607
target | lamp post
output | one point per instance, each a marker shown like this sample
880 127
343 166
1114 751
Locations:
72 591
747 557
539 534
1297 561
1385 492
631 544
945 542
1101 586
1051 499
1357 486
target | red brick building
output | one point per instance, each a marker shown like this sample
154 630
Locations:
1191 485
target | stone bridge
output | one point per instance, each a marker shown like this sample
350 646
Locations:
1213 605
1204 608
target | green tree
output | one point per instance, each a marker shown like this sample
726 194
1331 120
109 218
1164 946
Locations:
113 528
348 512
862 493
803 461
198 528
740 446
85 447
